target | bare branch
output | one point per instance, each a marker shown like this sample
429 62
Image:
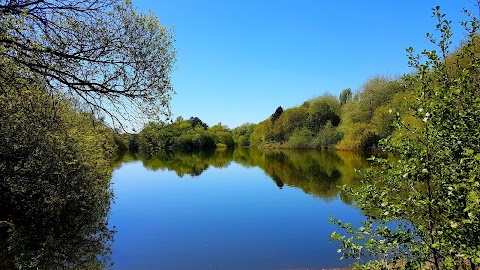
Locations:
100 51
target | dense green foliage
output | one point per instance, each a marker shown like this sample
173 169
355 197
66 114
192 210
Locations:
359 127
345 96
222 135
54 190
181 135
295 127
424 208
350 122
241 134
63 66
64 63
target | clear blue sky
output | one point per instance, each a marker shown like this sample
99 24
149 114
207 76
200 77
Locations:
239 60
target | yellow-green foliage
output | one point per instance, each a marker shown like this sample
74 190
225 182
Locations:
222 135
182 135
55 179
384 116
423 206
457 61
356 135
301 138
259 133
327 137
374 93
241 134
366 118
290 120
296 127
321 110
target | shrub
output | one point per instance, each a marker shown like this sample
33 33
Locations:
301 138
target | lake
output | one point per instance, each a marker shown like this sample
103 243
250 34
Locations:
231 209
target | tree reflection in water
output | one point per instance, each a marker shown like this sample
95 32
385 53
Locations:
76 235
43 235
319 173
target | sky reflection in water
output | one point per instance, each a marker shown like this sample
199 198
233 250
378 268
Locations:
231 215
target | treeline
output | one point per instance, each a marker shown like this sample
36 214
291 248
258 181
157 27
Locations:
184 136
351 121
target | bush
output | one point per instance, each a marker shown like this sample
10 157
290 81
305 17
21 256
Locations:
203 142
55 180
327 138
301 138
424 207
183 143
360 136
241 134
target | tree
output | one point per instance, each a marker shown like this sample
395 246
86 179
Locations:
328 137
276 114
222 135
432 190
345 96
374 93
195 121
358 124
301 138
55 173
155 137
322 110
114 60
292 119
241 134
259 133
181 135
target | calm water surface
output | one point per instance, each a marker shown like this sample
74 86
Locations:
242 209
